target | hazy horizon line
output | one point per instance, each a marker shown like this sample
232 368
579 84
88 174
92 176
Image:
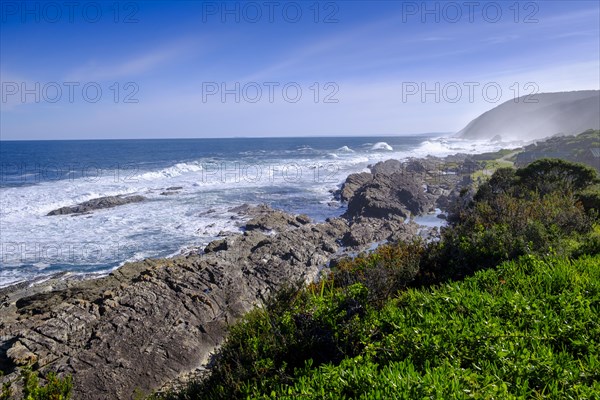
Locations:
229 137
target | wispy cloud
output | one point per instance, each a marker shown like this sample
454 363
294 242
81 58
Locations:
437 39
585 33
500 39
135 65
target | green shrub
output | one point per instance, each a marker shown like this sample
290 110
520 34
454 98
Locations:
590 198
55 388
588 244
534 210
550 175
384 272
502 181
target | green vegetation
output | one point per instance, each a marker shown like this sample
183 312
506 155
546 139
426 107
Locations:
526 329
501 333
534 210
577 149
488 163
505 305
55 388
487 168
493 155
570 148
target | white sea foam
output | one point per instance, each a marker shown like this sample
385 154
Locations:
382 146
441 147
171 172
35 245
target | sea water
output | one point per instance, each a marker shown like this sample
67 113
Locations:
190 185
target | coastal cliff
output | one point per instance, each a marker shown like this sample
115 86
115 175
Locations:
537 116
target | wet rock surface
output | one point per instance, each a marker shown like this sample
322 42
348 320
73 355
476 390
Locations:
353 183
392 189
153 322
390 195
97 204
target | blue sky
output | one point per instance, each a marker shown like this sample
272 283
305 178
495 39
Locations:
348 67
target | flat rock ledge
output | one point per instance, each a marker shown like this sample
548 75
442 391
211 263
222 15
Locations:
97 204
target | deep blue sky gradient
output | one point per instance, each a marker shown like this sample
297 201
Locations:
373 51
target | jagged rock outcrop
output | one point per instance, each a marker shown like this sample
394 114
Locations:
276 220
393 189
390 195
353 182
366 230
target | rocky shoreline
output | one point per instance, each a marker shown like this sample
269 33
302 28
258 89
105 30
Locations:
153 323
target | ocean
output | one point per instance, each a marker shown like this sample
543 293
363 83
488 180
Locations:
190 185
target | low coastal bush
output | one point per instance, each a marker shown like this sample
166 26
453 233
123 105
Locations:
383 272
547 207
590 198
55 388
525 329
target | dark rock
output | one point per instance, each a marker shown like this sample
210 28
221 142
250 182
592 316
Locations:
365 231
353 182
250 210
97 204
418 166
443 202
303 219
240 209
387 167
216 245
267 219
175 188
390 195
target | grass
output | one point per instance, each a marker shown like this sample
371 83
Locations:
500 154
527 329
487 169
